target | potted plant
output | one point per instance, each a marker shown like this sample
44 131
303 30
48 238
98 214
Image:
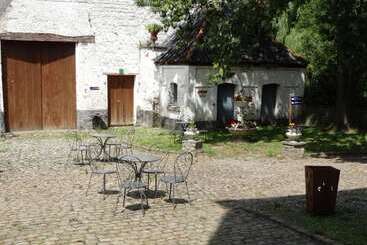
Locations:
153 29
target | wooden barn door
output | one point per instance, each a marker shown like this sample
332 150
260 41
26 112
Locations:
121 100
22 85
39 85
58 85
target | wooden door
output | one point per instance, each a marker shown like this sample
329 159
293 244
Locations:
120 100
22 85
39 85
58 86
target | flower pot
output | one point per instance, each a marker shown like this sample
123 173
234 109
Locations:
154 36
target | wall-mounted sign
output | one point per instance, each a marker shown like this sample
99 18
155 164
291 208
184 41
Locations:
296 100
94 88
202 92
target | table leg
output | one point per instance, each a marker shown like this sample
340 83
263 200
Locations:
104 183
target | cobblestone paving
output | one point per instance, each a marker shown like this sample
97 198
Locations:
43 201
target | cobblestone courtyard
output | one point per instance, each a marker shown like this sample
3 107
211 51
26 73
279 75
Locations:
43 201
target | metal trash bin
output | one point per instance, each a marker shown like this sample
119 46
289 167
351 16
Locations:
321 189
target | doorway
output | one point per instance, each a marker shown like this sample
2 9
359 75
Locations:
268 103
120 100
39 85
225 106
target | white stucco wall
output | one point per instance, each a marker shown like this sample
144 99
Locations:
118 27
147 84
181 76
249 80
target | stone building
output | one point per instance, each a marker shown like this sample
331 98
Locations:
260 87
75 63
62 58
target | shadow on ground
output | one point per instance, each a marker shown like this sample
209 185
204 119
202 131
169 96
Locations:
348 225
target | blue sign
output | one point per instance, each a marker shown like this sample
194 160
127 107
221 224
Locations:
296 100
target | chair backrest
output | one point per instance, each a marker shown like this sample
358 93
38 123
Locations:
163 155
130 136
73 140
92 156
183 164
126 169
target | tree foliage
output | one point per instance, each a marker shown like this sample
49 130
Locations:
228 25
330 34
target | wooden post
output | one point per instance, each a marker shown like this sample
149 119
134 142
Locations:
290 110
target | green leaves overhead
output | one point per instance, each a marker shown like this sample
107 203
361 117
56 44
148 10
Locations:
227 26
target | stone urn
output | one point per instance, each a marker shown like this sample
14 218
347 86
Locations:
293 134
292 146
190 133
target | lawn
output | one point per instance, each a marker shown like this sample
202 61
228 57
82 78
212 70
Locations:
348 225
265 141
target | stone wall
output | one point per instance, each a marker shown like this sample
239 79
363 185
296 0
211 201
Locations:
92 119
118 27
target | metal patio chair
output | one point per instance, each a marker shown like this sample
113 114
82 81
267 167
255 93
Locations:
77 148
122 145
126 172
156 168
98 167
181 171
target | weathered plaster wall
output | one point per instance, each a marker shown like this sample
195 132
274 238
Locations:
3 5
147 88
118 26
249 82
181 76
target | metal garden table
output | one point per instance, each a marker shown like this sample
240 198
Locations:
139 157
102 142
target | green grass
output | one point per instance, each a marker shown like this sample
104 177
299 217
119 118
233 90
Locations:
157 137
265 141
335 142
348 225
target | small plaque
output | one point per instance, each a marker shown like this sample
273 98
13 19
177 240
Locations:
94 88
296 100
202 92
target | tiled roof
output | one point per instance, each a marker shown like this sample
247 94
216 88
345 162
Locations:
268 52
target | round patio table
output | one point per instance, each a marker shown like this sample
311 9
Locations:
102 142
137 158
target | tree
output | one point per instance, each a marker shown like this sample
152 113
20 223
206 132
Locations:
331 34
227 26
